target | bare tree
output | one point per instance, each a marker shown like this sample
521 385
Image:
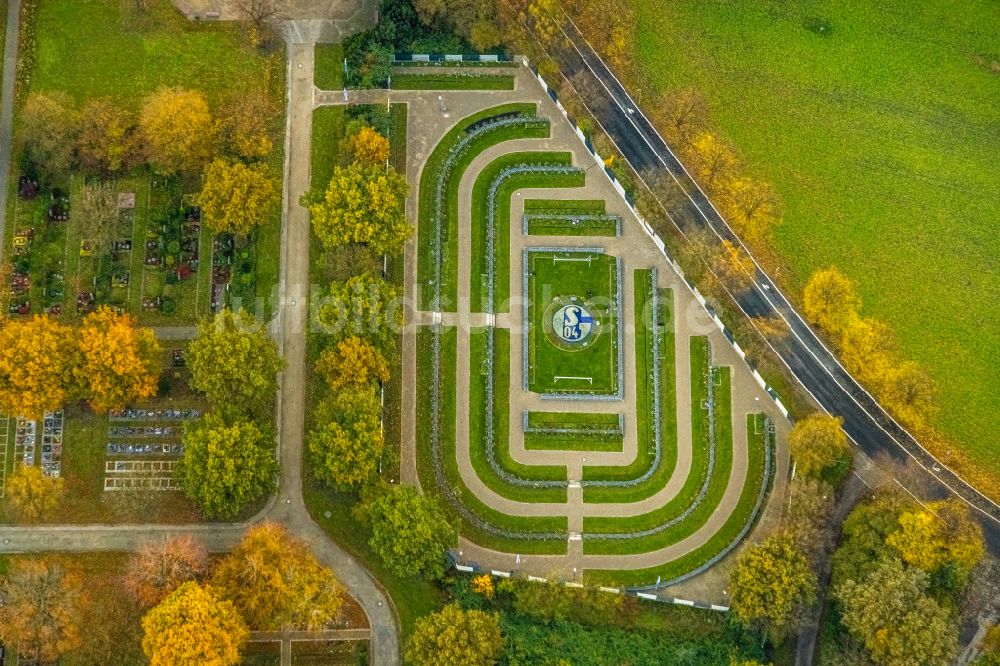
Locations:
259 16
97 211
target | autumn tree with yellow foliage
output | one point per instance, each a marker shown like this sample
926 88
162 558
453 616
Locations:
193 626
37 357
275 582
107 143
363 204
367 147
818 445
830 301
246 125
40 610
713 160
867 348
909 393
455 637
237 198
30 494
733 266
352 362
771 584
751 206
119 362
48 129
937 535
177 130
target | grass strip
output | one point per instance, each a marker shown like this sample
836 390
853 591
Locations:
429 177
449 464
502 222
397 136
724 538
702 512
595 420
592 206
501 434
645 386
545 441
562 227
414 81
329 67
327 133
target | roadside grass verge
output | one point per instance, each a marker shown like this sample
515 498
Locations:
502 221
718 542
646 385
329 67
449 464
418 81
429 176
501 434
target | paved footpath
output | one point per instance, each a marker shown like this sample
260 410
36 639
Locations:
7 106
292 319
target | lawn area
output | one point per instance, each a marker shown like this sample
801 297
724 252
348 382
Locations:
329 67
478 351
646 386
880 136
445 166
417 81
553 174
574 431
447 461
577 289
547 441
129 55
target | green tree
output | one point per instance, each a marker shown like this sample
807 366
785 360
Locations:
898 624
225 467
177 130
363 204
347 441
771 584
363 306
455 637
192 626
830 301
864 534
237 198
410 532
276 583
234 363
30 494
819 445
49 128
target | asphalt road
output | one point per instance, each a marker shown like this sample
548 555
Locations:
805 355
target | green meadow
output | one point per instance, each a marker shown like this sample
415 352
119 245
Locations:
879 126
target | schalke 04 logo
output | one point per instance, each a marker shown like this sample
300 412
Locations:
572 323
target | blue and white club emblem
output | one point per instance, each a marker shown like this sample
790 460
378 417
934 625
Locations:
572 323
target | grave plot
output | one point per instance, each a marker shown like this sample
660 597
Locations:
39 444
143 447
572 443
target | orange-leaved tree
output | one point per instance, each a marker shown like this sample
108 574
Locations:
276 583
40 613
160 566
37 357
119 362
